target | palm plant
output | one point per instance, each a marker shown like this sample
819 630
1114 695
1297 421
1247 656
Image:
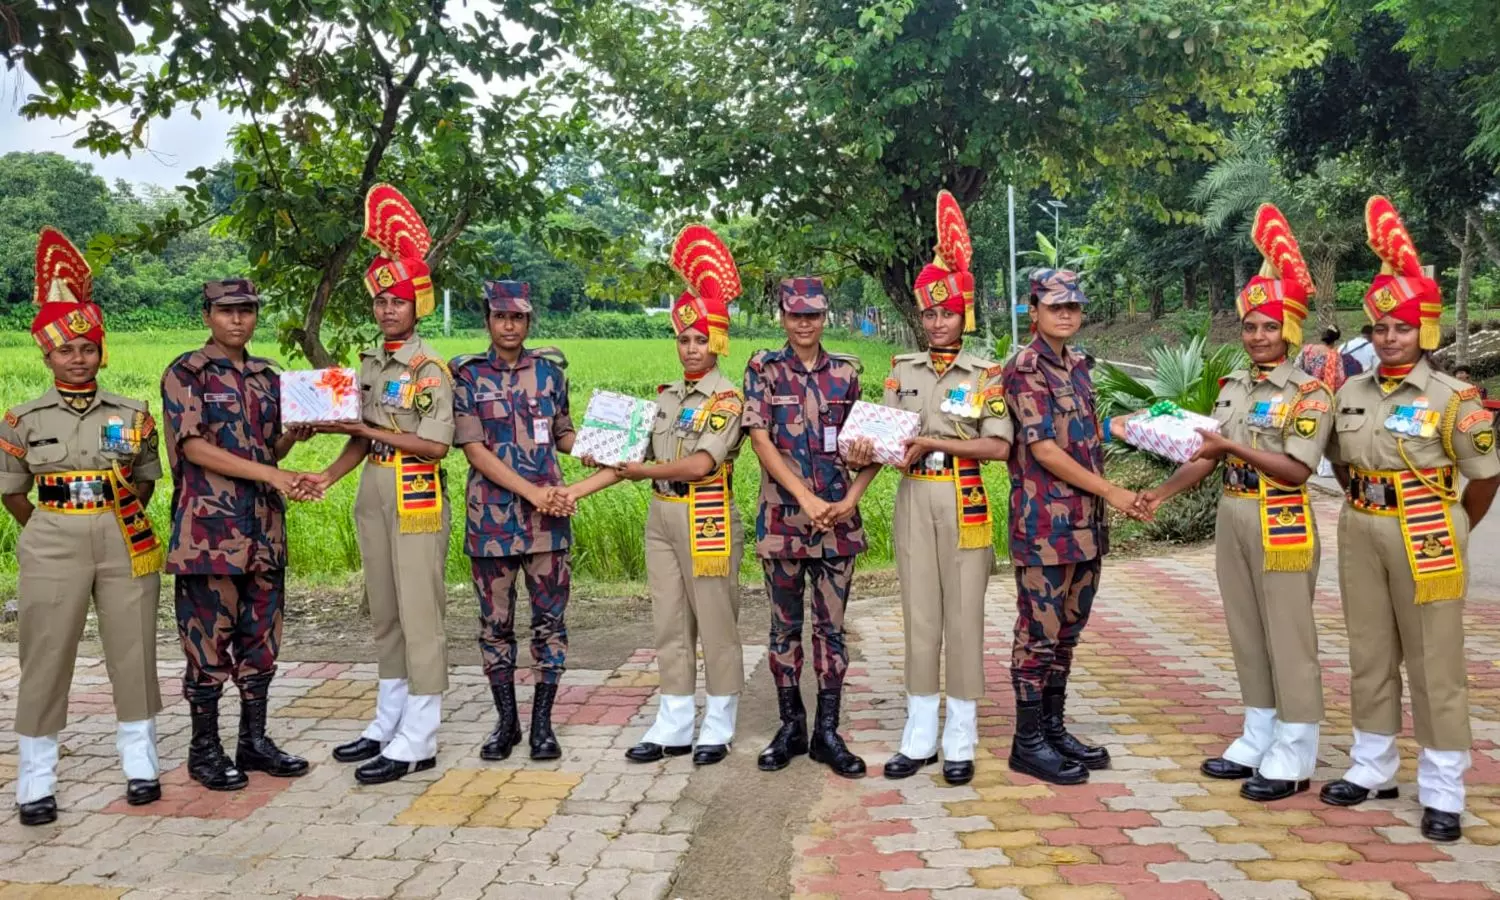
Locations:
1186 374
1062 255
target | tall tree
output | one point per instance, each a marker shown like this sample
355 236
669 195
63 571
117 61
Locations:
336 96
835 124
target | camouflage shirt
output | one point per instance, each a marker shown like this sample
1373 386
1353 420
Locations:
518 412
47 436
223 525
802 411
1051 522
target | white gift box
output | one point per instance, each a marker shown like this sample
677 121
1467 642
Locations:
319 396
1173 435
616 429
887 428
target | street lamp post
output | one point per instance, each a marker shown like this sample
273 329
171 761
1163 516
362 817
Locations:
1055 205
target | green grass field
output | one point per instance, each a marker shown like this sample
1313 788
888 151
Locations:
609 526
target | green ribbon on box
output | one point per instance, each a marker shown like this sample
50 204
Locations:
1165 408
634 430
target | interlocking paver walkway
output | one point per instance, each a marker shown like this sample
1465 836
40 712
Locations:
1154 682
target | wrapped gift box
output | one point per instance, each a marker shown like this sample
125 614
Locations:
616 429
887 428
1168 430
319 396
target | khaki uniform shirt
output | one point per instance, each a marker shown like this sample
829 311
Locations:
1464 436
705 416
1305 412
47 436
407 391
915 386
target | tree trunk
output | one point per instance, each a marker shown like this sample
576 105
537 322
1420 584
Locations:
1240 278
1190 287
1475 220
1467 260
1215 293
1158 302
1324 268
896 278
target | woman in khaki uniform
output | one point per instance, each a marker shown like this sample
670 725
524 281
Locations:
92 457
693 531
1400 432
1274 429
401 511
943 522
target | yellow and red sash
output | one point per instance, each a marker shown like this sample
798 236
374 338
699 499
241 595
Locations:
975 524
419 499
708 503
1424 502
147 554
1286 527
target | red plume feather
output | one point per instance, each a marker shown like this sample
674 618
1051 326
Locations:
60 265
393 225
1273 237
1389 238
701 258
954 248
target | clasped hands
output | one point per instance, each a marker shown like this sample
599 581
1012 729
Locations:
1215 447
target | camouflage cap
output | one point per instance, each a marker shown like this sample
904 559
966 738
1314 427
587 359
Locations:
803 296
1055 287
508 296
230 291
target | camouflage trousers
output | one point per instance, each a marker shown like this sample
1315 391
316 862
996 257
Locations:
786 580
1052 607
549 578
230 626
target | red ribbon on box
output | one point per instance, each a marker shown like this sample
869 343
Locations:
338 382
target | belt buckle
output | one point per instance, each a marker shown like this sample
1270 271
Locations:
933 462
88 490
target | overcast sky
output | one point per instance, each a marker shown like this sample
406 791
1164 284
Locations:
179 144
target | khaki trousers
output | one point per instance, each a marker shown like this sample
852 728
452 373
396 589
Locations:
942 590
404 580
1270 618
685 608
65 559
1387 627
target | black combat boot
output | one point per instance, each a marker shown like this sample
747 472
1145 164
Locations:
1030 754
543 742
1054 699
207 763
791 738
256 751
507 731
39 812
826 746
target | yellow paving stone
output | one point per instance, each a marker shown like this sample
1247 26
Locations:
542 776
1170 719
1487 835
494 814
1143 728
1277 870
1016 792
533 814
1249 834
986 808
1067 855
521 791
1232 804
820 830
452 782
1353 890
818 865
1180 776
991 764
436 818
488 781
1006 840
1291 818
355 709
1035 823
992 778
1013 876
1322 851
1073 892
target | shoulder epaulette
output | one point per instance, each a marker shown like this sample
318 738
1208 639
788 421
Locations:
1026 360
663 387
422 359
268 363
757 359
193 361
127 402
553 355
465 359
850 359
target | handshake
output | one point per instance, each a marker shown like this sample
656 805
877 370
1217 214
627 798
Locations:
300 486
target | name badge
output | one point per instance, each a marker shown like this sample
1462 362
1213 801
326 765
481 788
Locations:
542 428
830 439
487 396
907 392
220 398
785 400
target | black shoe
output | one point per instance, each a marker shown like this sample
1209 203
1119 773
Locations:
1221 768
1440 826
140 791
646 752
1031 754
207 763
1054 699
382 769
791 737
903 766
958 772
1266 789
543 742
39 812
1347 793
507 731
708 754
357 750
256 751
826 746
